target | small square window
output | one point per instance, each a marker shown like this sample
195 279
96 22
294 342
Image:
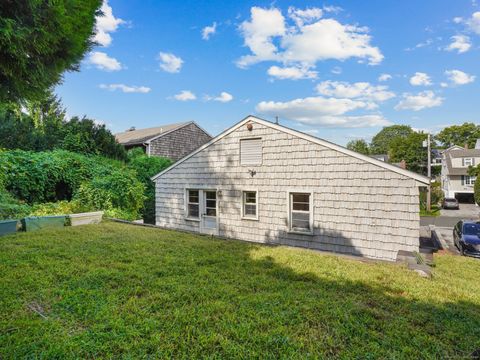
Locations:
300 213
251 151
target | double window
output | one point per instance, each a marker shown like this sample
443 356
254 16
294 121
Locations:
468 162
250 205
468 180
300 212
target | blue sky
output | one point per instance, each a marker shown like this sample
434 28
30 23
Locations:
316 65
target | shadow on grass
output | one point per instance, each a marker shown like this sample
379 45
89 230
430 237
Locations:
122 291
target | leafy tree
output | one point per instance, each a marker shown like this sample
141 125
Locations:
382 141
359 146
39 41
467 133
410 149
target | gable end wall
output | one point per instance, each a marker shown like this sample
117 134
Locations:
359 208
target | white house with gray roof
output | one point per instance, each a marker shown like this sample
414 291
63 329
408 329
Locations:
173 141
456 160
263 182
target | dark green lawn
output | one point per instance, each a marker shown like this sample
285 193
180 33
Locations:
115 290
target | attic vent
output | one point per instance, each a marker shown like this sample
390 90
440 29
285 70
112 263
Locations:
132 128
251 151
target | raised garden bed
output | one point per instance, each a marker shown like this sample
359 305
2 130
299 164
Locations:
86 218
33 223
8 227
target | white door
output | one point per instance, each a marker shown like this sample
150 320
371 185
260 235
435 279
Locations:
208 223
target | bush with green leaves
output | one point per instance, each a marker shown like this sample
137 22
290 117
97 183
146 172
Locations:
119 194
146 167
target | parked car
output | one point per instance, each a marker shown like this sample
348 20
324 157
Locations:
466 236
450 203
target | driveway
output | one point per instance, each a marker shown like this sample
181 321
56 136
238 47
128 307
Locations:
447 234
448 218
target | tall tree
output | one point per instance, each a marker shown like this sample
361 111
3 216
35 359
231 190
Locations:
467 133
359 146
39 41
411 150
381 142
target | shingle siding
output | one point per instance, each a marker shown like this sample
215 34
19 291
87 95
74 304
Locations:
178 143
359 208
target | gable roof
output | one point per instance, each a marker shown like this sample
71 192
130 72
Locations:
140 136
327 144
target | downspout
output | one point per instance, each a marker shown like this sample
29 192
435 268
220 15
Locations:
147 145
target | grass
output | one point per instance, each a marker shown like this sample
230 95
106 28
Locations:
435 211
115 290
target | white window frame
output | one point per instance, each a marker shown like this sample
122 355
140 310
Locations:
240 150
290 210
187 203
469 180
250 217
470 160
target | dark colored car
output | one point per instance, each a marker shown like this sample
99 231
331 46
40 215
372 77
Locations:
466 236
450 203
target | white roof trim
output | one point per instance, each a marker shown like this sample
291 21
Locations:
420 178
174 129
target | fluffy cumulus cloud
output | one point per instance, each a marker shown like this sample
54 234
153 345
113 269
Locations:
359 90
420 101
106 24
104 62
318 110
303 38
224 97
126 88
185 95
291 73
420 79
460 43
384 77
458 77
208 31
472 23
169 62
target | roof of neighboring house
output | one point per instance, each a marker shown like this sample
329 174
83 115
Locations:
464 153
455 170
459 153
140 136
420 178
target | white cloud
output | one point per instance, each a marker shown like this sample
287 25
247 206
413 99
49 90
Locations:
224 97
185 95
292 73
322 111
103 62
458 77
106 24
359 90
169 62
306 16
460 43
473 22
420 79
208 31
384 77
125 88
420 45
308 40
337 70
422 100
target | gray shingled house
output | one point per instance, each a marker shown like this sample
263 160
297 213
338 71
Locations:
262 182
173 141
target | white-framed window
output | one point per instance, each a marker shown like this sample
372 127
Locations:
193 204
250 204
469 180
300 212
467 161
251 151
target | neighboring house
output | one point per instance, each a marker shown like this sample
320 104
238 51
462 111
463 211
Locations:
437 157
263 182
456 183
173 141
381 157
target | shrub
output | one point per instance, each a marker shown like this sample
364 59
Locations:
119 194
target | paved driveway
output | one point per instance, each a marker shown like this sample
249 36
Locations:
448 218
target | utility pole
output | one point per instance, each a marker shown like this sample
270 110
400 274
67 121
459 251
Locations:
429 173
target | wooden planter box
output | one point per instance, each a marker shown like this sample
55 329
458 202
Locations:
86 218
33 223
8 227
